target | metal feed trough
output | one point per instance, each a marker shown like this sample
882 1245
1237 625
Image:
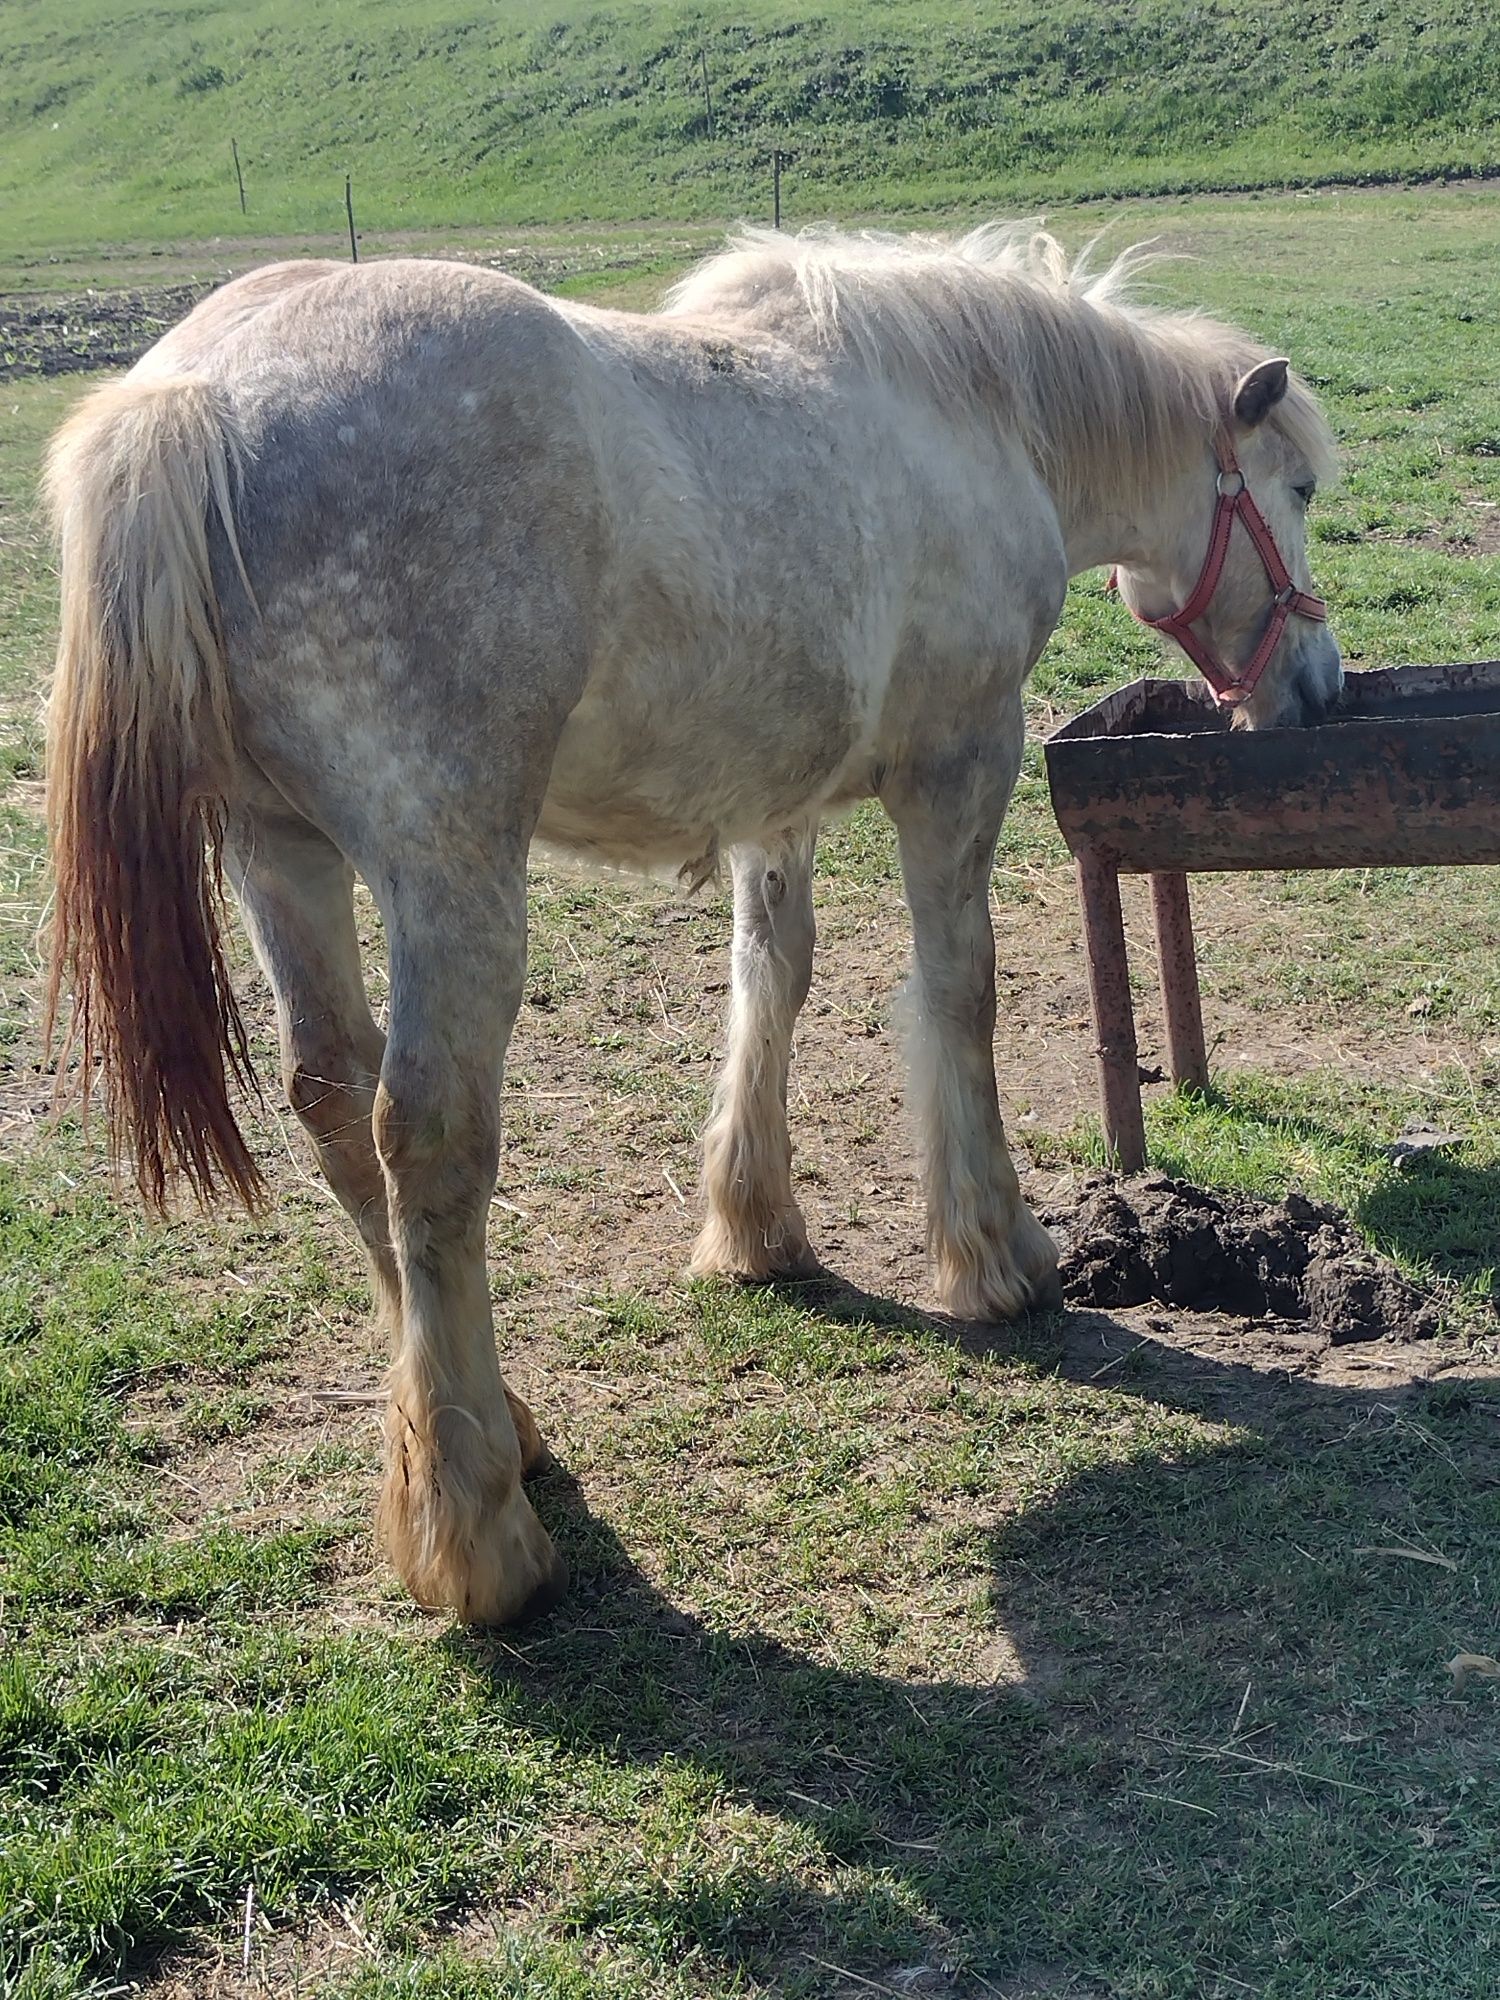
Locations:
1153 781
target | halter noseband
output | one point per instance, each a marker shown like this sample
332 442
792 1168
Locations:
1234 501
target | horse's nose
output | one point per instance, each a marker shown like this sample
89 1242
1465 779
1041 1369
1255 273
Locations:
1319 681
1323 683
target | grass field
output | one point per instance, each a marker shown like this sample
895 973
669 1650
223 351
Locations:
1100 1660
115 123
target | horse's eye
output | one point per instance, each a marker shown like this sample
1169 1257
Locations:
1305 493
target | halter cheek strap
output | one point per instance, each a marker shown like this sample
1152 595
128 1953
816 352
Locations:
1234 502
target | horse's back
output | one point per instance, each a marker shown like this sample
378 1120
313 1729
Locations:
667 571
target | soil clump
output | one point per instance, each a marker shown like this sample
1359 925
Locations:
1128 1242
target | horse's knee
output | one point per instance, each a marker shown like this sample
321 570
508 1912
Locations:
798 960
440 1154
786 901
773 973
419 1123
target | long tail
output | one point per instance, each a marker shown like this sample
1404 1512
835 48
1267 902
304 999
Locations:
139 757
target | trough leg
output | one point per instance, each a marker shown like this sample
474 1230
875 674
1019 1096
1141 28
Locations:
1114 1022
1178 963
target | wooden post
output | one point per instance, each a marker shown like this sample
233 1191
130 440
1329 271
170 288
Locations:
1181 1006
1114 1019
708 103
349 211
776 190
234 148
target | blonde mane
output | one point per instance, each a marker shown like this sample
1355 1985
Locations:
1091 377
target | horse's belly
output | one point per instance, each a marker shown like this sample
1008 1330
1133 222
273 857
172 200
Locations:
665 776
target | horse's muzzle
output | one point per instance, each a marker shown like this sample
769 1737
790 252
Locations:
1302 695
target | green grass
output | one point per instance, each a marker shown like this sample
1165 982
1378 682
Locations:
115 123
1078 1668
777 1732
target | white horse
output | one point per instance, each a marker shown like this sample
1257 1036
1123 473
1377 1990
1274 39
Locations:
393 569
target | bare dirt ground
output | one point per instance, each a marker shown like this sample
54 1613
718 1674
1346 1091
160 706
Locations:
68 334
611 1068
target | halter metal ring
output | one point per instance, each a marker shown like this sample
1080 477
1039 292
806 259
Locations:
1230 492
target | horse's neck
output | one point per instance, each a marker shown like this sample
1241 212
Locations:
1120 482
1101 529
1106 517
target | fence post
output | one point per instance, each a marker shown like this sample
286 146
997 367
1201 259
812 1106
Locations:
349 211
234 148
776 190
708 103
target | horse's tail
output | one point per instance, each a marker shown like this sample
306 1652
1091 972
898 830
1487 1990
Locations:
140 752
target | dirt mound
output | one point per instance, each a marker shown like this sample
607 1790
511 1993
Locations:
1128 1242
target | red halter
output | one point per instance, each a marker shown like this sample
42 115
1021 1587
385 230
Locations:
1234 500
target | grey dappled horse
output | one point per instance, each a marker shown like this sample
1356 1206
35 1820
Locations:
394 569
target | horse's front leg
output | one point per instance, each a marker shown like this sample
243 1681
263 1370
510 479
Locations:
754 1228
991 1258
453 1516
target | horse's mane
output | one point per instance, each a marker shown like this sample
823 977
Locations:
1087 373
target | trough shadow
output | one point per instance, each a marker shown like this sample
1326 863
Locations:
980 1810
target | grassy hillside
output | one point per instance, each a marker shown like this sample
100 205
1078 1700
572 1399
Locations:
116 118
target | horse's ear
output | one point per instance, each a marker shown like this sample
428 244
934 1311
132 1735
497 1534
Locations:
1260 391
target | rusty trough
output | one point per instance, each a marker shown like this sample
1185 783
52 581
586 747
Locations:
1153 781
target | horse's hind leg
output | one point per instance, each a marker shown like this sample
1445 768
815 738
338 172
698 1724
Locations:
296 892
991 1258
754 1228
453 1517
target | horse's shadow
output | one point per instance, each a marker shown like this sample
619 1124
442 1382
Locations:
945 1833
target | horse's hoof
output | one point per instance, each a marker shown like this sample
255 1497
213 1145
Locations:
1004 1289
548 1594
748 1257
535 1457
